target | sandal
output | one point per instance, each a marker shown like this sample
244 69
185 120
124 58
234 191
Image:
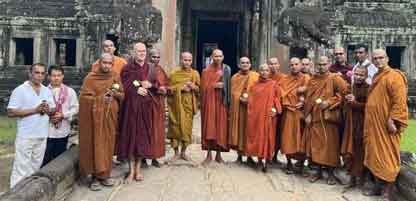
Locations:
95 186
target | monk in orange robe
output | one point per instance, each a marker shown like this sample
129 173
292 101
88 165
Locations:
291 120
240 85
320 142
118 63
159 80
100 98
352 149
277 75
215 101
386 117
262 107
307 66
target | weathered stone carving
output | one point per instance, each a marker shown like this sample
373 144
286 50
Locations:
302 26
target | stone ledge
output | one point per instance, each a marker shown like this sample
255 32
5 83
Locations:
406 181
52 183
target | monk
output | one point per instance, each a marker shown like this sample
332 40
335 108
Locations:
215 102
240 86
100 98
136 117
386 117
159 78
262 107
322 113
275 73
291 121
352 149
182 102
307 66
118 63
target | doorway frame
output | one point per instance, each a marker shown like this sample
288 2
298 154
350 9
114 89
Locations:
234 17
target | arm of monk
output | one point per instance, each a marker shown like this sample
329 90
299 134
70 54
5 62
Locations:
341 89
277 100
397 91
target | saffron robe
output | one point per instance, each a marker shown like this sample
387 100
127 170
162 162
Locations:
261 126
240 84
98 123
352 149
291 120
277 76
118 64
182 106
321 138
387 98
214 111
158 78
136 116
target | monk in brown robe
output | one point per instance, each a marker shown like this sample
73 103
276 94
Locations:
118 63
291 120
386 117
100 98
321 135
137 114
240 85
157 77
352 149
182 101
277 75
262 107
215 102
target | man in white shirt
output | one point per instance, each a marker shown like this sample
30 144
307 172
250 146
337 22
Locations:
31 103
361 56
66 102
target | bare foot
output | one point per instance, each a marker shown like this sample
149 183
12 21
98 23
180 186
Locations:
129 178
219 159
139 177
175 158
206 162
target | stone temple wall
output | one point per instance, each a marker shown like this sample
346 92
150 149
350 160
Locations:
68 32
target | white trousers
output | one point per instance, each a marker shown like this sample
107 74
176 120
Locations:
28 158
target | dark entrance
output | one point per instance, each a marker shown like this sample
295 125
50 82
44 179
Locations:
298 52
395 56
217 34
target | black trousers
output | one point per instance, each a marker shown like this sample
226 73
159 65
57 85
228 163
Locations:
54 148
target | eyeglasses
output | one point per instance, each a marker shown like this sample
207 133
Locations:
359 52
39 73
339 53
155 57
323 64
378 58
244 62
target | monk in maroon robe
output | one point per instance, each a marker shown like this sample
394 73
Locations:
136 118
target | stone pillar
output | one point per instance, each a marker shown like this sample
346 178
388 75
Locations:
167 45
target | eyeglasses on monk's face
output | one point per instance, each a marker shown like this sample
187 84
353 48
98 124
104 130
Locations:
378 58
323 64
359 52
156 57
244 62
339 53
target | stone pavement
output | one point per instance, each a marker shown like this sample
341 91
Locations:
217 182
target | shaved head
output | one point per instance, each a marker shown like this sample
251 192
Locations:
106 62
323 64
274 64
264 71
245 64
295 65
340 57
108 47
140 53
380 58
217 57
186 60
